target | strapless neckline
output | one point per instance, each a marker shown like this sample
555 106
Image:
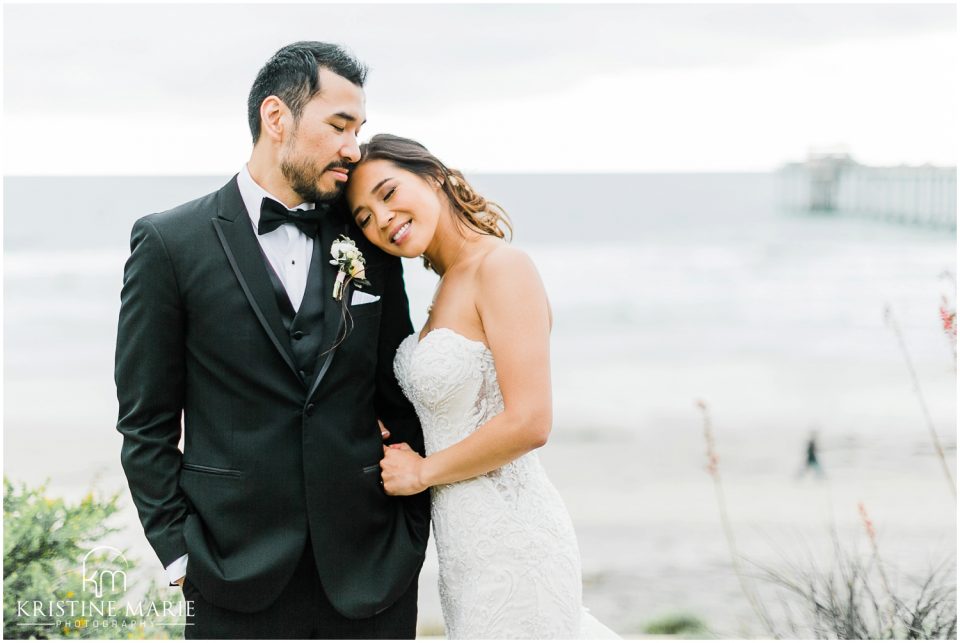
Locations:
452 333
451 381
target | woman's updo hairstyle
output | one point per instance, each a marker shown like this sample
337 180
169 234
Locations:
470 207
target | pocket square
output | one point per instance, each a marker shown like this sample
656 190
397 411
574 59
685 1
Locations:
360 297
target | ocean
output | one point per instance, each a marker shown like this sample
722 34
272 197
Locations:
666 289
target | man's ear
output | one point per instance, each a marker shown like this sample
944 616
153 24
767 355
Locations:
272 118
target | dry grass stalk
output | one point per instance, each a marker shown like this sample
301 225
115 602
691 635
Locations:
892 322
713 468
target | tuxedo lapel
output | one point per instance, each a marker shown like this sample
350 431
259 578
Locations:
236 234
333 318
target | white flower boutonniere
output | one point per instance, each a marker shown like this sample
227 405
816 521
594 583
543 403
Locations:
350 259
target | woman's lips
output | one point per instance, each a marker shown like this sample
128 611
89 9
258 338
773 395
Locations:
402 233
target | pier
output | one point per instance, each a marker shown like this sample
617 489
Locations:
832 183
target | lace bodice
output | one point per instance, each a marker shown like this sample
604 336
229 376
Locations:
509 562
452 384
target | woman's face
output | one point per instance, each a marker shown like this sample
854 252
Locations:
397 210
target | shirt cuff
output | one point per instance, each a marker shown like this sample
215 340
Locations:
177 569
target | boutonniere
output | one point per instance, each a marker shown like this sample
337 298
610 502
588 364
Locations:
348 257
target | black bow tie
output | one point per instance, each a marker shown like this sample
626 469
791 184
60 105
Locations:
273 214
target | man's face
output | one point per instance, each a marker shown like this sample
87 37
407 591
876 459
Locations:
322 148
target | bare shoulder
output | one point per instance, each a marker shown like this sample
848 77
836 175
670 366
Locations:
506 263
508 283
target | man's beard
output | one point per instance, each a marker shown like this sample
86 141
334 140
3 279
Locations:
304 178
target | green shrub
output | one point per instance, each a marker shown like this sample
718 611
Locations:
47 543
675 624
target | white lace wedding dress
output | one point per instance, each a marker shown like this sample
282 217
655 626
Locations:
509 561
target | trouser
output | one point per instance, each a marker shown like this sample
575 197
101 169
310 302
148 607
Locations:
302 611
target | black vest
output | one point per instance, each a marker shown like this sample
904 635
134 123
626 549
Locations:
305 325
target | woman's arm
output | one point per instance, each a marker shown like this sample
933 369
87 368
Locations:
512 305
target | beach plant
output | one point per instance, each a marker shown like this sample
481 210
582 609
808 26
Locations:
891 321
852 596
948 314
47 545
713 468
677 625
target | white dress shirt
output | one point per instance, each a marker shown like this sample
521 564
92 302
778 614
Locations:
289 251
287 248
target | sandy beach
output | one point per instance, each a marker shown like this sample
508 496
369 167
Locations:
650 535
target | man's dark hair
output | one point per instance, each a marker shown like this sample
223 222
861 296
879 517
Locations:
293 75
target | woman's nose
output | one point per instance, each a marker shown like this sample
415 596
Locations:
384 217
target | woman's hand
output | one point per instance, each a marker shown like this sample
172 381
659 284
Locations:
401 469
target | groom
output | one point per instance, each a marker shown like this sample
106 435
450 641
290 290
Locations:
273 518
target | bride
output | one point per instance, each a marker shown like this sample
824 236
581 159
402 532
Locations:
479 377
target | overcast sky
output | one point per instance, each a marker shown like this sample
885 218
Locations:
161 89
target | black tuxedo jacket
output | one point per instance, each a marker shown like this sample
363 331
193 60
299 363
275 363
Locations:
266 455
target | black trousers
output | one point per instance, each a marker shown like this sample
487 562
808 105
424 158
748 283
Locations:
302 611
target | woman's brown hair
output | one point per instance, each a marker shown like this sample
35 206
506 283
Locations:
483 216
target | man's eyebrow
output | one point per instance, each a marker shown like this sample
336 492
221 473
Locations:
373 191
348 117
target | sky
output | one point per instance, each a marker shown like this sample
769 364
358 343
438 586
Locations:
114 89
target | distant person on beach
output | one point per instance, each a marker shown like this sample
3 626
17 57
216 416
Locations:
273 519
478 374
812 463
